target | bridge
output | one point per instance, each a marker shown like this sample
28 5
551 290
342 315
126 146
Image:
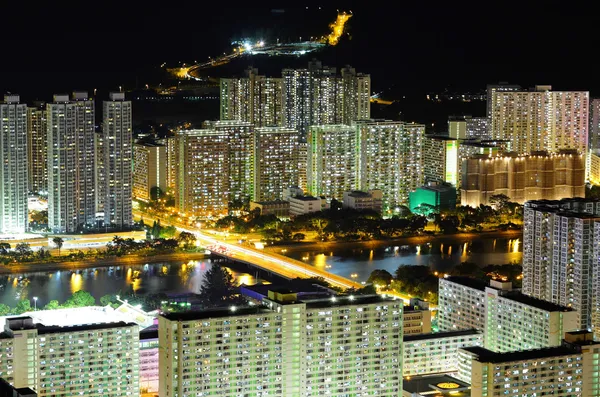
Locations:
269 261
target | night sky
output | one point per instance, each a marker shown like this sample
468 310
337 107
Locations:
414 46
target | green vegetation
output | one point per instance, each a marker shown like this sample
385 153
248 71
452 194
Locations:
218 289
78 299
422 282
336 224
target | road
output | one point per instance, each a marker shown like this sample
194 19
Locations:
274 263
269 261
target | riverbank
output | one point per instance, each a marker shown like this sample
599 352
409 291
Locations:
101 262
458 238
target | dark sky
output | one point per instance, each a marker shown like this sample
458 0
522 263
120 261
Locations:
417 46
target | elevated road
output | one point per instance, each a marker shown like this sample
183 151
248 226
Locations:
271 262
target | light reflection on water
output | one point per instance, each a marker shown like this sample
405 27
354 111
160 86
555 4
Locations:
438 256
152 278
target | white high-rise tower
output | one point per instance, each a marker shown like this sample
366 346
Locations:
118 157
13 165
71 174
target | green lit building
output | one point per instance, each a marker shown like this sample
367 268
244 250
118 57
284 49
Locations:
440 196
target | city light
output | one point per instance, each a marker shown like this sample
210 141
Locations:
337 29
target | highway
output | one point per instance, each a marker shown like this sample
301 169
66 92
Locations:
274 263
268 261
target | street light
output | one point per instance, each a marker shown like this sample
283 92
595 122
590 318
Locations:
35 298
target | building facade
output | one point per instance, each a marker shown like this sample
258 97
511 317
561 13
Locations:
541 119
317 95
509 319
254 98
71 163
202 165
440 159
391 159
301 205
240 141
14 181
594 135
436 353
275 162
332 159
90 360
359 200
149 169
37 149
117 129
560 255
285 348
534 177
570 369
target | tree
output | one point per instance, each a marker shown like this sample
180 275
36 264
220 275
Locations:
39 217
80 299
380 277
155 193
335 205
4 248
298 237
4 309
217 288
186 238
168 232
52 305
499 201
23 249
106 300
58 243
23 306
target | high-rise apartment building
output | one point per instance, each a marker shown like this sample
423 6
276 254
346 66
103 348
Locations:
467 127
317 96
509 319
71 163
341 346
570 369
37 149
202 185
117 130
391 159
436 353
13 166
538 176
540 119
240 141
560 254
332 160
440 159
357 95
594 134
255 99
149 169
91 360
275 162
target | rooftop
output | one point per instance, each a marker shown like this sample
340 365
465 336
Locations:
272 202
441 137
53 329
517 296
436 385
441 335
305 198
358 193
149 144
215 313
149 333
487 356
441 187
467 282
348 300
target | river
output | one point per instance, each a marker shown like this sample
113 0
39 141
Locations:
358 263
178 277
174 277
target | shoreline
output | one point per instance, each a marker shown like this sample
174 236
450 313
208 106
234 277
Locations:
103 262
458 238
